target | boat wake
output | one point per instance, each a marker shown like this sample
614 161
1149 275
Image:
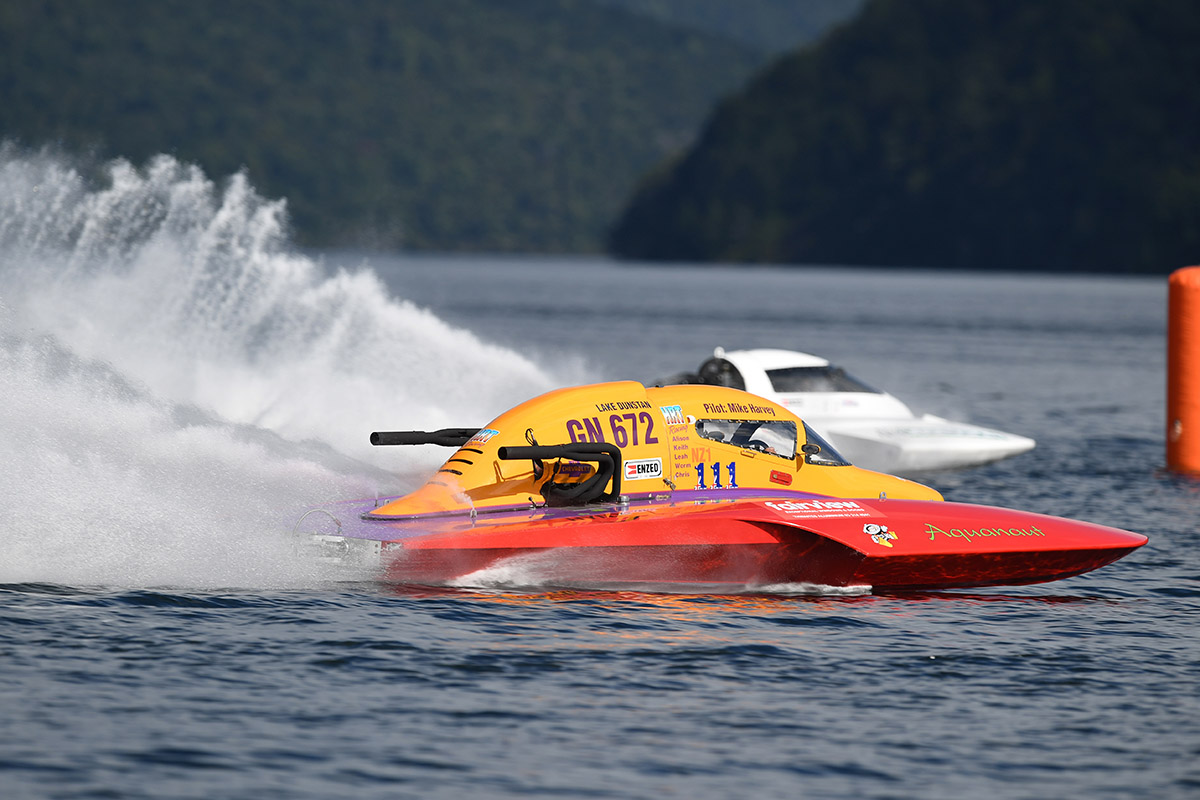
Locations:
544 570
179 379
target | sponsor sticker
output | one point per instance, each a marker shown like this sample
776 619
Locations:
482 437
971 534
818 508
879 534
643 468
673 415
573 469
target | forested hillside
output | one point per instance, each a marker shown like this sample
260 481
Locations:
768 25
1007 134
451 125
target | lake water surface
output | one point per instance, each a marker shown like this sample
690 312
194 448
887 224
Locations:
175 395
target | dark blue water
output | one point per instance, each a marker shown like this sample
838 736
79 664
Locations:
160 638
1088 689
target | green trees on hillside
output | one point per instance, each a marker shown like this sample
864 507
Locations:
772 26
449 125
1010 134
1014 134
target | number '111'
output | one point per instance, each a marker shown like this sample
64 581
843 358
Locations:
731 468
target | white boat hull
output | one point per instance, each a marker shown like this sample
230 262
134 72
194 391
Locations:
915 445
870 428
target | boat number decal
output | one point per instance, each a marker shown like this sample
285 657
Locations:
818 508
971 533
626 429
643 468
879 534
481 437
731 467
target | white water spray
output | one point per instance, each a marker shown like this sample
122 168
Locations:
178 382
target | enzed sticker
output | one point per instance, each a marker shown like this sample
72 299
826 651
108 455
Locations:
643 468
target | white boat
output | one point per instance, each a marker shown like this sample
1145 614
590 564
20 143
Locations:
870 428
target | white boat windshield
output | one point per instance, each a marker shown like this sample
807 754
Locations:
816 379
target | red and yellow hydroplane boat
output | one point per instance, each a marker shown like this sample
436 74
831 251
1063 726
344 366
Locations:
616 484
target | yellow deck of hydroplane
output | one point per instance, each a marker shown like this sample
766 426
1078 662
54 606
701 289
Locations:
656 430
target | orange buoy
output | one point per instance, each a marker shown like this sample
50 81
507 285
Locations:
1183 371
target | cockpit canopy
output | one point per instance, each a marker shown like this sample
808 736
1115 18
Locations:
776 437
594 444
773 437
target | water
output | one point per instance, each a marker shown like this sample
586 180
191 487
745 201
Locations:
179 383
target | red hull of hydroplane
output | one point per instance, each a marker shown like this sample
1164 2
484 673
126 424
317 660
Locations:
886 544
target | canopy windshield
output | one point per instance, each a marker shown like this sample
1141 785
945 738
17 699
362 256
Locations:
816 379
777 438
827 457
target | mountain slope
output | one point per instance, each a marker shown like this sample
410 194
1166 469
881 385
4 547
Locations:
455 125
772 26
994 134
